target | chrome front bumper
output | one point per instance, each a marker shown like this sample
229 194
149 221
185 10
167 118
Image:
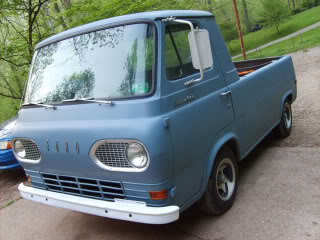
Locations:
120 209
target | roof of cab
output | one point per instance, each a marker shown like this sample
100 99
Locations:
126 18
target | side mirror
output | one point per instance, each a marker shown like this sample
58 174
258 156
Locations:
200 47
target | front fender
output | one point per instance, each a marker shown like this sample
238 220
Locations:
216 145
229 133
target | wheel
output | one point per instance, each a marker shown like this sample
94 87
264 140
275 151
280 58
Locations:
283 130
222 186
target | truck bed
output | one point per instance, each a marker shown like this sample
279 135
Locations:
249 66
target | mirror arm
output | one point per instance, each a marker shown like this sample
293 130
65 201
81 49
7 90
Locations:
197 50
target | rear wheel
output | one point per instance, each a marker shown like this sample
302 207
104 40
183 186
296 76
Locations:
283 130
222 186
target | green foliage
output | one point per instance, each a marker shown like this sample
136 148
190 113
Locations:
83 11
267 34
305 41
8 108
23 25
307 4
229 32
274 12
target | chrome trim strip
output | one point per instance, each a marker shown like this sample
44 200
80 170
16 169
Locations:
77 147
117 169
66 146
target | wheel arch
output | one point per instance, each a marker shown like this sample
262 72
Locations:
287 95
230 140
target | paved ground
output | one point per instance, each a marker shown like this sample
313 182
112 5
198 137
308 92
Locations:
278 197
282 39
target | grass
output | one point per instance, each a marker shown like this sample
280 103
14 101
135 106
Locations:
269 34
8 108
302 42
11 202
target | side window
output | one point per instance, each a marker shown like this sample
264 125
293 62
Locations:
178 55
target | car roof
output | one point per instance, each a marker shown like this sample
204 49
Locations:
151 16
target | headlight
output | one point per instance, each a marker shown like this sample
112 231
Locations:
137 155
5 145
19 149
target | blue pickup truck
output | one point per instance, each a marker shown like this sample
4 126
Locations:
139 117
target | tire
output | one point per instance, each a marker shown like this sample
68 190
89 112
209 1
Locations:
284 128
215 200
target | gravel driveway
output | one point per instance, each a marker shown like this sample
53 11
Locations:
278 195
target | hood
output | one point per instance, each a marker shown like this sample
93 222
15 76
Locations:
6 128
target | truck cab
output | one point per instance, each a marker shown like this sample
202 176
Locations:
138 117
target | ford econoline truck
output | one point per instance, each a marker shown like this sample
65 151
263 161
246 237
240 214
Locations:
139 117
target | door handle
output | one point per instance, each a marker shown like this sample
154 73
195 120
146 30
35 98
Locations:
226 93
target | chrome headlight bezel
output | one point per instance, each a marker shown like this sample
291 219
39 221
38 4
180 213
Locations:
130 167
136 149
25 159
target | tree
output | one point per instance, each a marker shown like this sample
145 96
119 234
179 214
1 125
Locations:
246 15
274 12
23 25
229 32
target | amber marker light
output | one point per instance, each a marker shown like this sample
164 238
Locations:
159 195
5 145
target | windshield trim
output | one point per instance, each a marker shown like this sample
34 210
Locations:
94 29
154 62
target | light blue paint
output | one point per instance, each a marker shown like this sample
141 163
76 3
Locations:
182 140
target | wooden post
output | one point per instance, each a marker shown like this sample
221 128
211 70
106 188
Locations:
239 29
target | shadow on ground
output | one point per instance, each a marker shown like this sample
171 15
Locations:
185 228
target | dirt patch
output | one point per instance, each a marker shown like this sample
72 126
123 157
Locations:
306 109
9 181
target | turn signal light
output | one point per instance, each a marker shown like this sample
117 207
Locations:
159 195
5 145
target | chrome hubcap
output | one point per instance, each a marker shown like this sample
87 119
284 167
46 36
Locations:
287 116
225 181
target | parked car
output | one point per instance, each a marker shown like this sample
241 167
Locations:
7 158
119 121
256 28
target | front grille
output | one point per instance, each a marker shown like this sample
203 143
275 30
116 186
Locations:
112 154
32 149
91 188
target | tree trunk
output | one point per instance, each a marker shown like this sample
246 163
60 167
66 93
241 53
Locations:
30 29
289 4
209 6
57 9
67 3
293 4
246 15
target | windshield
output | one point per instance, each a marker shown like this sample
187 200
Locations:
107 64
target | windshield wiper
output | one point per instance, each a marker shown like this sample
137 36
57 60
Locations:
40 104
89 100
